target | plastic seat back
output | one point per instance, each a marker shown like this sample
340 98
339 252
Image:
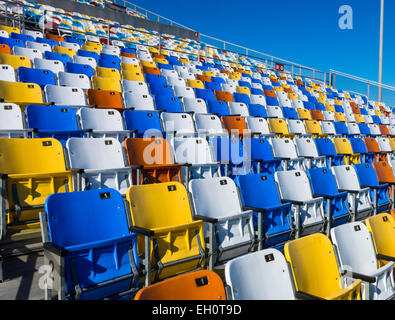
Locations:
58 95
145 122
105 99
20 93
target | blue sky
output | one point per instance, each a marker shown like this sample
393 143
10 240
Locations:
305 32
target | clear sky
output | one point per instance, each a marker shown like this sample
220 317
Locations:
305 31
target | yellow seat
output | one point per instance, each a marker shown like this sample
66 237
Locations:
339 116
93 44
280 128
209 73
185 60
20 93
245 90
313 127
195 84
338 102
161 60
108 73
149 64
153 50
278 88
178 242
132 75
315 270
392 144
303 114
343 147
131 67
235 76
10 29
104 83
94 48
382 229
330 107
359 118
69 51
35 168
15 61
293 96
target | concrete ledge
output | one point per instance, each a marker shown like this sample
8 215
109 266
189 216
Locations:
122 18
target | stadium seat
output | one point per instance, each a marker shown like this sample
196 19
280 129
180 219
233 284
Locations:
326 148
357 258
236 126
208 124
105 83
105 99
308 212
197 285
178 124
101 162
343 147
15 61
39 76
381 227
104 123
285 150
64 96
94 255
230 228
307 149
272 218
144 123
7 73
168 227
315 271
358 198
379 193
29 176
154 155
194 105
68 79
373 149
53 122
20 93
12 122
138 101
168 103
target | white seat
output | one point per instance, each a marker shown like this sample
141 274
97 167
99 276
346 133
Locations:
27 52
228 87
7 73
175 81
296 126
55 66
257 125
358 198
178 123
261 275
238 108
374 129
274 112
307 149
104 123
194 105
258 99
71 45
186 75
285 149
128 60
32 33
328 128
136 101
137 87
218 198
183 92
68 79
356 254
42 47
66 96
209 124
12 121
85 60
112 50
103 163
353 128
297 104
169 73
295 187
328 115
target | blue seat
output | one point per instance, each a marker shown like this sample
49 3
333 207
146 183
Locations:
173 61
12 42
320 106
217 80
376 119
271 101
80 69
89 229
164 66
256 91
368 179
276 217
340 127
262 153
231 154
212 86
41 77
218 107
129 50
74 40
337 201
109 61
244 84
168 103
358 146
157 88
257 110
206 94
290 113
325 147
339 108
155 79
59 122
308 105
21 36
364 129
143 122
242 98
88 54
312 99
64 58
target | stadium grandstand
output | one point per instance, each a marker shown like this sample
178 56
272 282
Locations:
139 161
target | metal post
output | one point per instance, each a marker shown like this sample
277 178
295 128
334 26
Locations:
160 43
45 13
108 34
329 214
381 51
368 90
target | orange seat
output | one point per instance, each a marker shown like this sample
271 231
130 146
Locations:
354 108
154 155
270 93
372 146
224 96
225 72
203 78
128 55
235 125
384 174
158 56
384 130
55 37
105 99
151 70
198 285
5 49
317 115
